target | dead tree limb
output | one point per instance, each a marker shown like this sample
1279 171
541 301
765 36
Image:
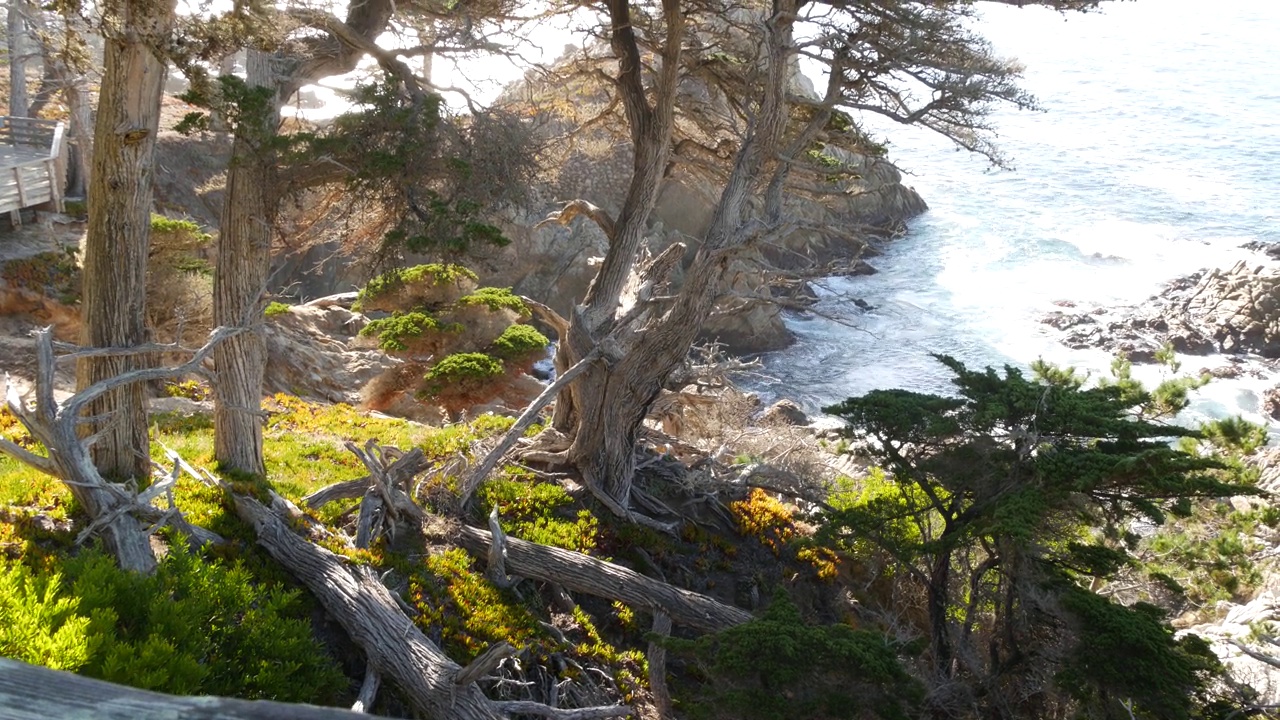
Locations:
368 691
516 431
117 513
583 573
28 692
573 209
394 646
657 657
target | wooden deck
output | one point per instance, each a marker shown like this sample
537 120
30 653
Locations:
32 165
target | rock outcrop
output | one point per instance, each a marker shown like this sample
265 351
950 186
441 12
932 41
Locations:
310 355
1234 310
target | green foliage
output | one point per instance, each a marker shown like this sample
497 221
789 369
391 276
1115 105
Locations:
468 611
518 342
461 369
778 667
436 176
497 299
432 274
276 308
38 622
392 332
995 495
535 512
1131 653
194 627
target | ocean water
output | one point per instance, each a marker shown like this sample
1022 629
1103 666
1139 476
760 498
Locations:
1158 153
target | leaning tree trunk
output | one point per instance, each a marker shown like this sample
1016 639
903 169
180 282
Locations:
240 279
115 263
17 33
611 400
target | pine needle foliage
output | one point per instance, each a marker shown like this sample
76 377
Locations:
1011 498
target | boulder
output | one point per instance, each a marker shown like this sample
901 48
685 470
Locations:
783 412
310 355
1235 310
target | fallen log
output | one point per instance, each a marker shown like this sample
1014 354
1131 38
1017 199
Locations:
29 692
592 576
394 646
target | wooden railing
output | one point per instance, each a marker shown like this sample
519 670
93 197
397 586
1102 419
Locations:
32 165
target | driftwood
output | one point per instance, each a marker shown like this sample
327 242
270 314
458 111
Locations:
28 692
124 519
589 575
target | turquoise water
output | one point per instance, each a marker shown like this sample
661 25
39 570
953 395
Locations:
1158 154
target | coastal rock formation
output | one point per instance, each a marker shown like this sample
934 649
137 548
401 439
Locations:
1235 310
310 355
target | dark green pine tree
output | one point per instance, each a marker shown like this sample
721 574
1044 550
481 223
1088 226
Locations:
1009 506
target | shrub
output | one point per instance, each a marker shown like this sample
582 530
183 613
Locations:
197 627
779 667
392 332
275 308
194 627
497 299
56 274
432 284
38 624
463 368
518 342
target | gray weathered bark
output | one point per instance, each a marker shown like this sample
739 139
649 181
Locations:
244 259
115 262
604 410
583 573
28 692
19 101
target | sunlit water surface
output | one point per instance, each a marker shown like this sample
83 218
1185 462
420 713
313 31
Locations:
1158 154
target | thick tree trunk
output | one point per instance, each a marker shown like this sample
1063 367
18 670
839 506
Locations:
240 279
17 38
115 263
611 400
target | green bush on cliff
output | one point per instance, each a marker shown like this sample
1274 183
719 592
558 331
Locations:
434 274
519 341
497 299
393 331
463 367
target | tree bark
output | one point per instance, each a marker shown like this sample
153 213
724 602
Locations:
611 399
115 263
28 692
240 280
583 573
394 645
17 37
69 78
248 217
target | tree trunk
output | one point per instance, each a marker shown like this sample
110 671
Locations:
354 597
66 74
115 263
17 36
240 279
611 399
